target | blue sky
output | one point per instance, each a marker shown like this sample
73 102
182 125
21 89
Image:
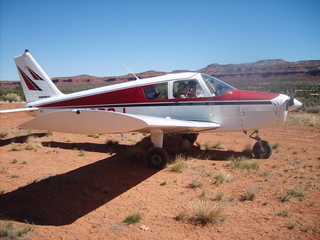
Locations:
72 37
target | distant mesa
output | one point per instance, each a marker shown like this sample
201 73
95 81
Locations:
270 69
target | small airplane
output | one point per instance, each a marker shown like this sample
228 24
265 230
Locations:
185 103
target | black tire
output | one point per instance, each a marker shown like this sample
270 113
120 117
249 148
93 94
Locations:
263 153
157 158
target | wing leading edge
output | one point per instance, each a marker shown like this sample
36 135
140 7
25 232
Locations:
15 110
102 122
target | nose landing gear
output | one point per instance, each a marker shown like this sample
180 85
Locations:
261 149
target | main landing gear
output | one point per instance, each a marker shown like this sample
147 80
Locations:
261 149
157 157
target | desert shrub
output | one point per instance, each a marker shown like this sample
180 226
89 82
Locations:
12 94
12 97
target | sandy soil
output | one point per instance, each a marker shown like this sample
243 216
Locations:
75 187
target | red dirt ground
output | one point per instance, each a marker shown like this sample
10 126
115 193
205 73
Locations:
75 188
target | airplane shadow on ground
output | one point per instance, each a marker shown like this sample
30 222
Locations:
62 199
19 139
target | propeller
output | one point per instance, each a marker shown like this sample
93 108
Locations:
291 98
292 102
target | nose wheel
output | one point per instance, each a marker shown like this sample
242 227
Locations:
261 149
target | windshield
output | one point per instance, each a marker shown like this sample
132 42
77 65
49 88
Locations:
216 86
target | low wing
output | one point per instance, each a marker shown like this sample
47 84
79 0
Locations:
101 122
15 110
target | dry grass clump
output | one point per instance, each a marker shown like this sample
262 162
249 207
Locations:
219 196
15 147
111 144
284 213
179 165
33 143
133 218
222 177
94 135
297 192
244 163
7 231
4 133
135 155
250 194
211 145
286 195
205 214
196 183
276 146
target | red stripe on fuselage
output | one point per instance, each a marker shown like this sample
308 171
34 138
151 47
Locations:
130 95
136 95
248 95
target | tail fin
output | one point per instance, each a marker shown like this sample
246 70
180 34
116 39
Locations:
35 82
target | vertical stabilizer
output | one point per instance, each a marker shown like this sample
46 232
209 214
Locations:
35 82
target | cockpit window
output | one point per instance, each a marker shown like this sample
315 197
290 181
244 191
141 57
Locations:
216 86
187 89
157 91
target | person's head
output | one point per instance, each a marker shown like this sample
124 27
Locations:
183 87
193 86
192 83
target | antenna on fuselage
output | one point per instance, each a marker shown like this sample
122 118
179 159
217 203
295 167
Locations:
131 71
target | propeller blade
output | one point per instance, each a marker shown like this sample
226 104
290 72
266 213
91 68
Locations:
291 99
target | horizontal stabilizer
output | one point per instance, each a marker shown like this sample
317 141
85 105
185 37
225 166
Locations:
102 122
19 110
